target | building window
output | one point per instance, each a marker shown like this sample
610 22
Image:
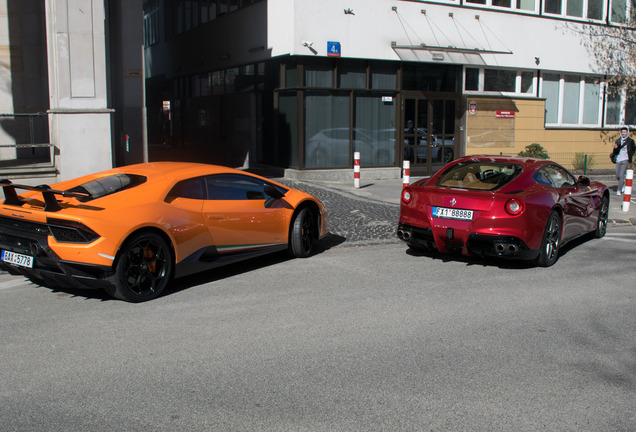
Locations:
622 11
327 131
429 78
520 5
352 76
374 130
500 81
571 99
586 9
319 76
383 76
497 80
620 107
151 23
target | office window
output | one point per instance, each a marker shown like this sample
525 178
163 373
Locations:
622 10
591 101
571 99
620 107
352 76
327 131
551 94
521 5
499 80
383 76
318 76
585 9
472 79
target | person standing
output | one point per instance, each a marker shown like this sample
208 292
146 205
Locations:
624 148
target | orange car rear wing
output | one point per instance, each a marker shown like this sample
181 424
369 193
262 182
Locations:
50 202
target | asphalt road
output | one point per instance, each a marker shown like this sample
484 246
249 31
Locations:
359 337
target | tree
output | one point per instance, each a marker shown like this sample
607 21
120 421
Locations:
534 150
614 49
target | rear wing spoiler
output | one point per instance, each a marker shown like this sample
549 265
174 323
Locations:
50 202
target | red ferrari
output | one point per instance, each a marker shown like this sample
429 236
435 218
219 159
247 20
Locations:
499 206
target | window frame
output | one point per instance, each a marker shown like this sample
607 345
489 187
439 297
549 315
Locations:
518 82
487 4
585 8
581 102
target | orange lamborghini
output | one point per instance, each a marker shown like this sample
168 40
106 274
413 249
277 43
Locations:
129 230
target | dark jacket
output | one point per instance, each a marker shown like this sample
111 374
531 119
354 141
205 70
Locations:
631 148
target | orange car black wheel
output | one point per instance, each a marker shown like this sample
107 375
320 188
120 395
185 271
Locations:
303 234
143 269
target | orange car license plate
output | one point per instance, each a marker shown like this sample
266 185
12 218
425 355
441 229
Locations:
17 259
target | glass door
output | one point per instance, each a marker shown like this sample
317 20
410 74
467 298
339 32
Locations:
428 133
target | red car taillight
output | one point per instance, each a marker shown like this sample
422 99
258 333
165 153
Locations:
407 195
515 206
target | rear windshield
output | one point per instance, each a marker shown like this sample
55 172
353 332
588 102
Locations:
108 185
481 175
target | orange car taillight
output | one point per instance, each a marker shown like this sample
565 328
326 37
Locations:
407 195
66 231
515 206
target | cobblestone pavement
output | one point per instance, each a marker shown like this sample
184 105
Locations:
353 220
356 220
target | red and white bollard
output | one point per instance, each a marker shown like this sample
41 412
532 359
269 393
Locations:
627 195
356 170
406 173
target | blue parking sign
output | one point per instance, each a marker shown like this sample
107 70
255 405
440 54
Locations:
333 49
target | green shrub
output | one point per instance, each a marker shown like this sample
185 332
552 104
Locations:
579 161
534 150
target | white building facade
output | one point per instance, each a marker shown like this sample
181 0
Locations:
72 88
304 85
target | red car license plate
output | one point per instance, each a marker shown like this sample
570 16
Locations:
449 213
16 259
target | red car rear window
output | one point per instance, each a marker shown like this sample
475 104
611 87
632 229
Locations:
483 175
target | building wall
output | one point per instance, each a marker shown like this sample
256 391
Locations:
80 118
23 84
374 25
487 134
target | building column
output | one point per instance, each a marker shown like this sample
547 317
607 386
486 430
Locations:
79 117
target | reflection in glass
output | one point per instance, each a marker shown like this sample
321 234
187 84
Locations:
327 131
374 131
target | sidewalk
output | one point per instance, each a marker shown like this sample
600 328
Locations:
389 191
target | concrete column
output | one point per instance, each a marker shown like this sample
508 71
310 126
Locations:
79 117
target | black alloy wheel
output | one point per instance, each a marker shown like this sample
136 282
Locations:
603 214
551 240
143 269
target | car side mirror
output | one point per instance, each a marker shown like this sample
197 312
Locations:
274 194
583 181
273 191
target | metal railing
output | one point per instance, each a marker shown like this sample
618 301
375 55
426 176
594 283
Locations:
581 162
29 150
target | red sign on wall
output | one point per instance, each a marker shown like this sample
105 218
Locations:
504 114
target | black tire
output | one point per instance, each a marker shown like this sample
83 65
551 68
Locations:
143 268
603 214
550 242
303 234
